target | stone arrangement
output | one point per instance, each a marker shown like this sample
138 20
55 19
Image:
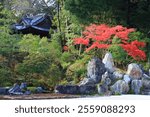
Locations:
104 79
19 89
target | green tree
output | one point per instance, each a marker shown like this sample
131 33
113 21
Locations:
67 24
125 12
41 66
9 49
96 11
6 19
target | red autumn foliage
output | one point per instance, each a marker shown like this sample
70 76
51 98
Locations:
134 51
81 41
97 45
138 44
101 37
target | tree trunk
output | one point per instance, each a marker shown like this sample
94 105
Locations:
58 16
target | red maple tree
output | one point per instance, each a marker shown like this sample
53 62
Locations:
101 36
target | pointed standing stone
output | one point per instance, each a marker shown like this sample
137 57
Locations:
95 69
109 63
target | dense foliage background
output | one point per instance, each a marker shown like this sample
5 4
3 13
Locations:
60 59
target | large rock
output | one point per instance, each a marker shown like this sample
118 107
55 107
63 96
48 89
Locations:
103 87
23 86
88 89
134 71
75 89
120 87
67 89
3 90
126 78
136 86
87 81
15 90
146 83
95 70
109 63
19 89
145 76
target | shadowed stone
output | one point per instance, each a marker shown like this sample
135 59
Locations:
3 90
95 70
105 79
102 89
88 89
136 86
67 89
75 89
146 83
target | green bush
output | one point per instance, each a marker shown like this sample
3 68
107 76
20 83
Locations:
77 70
6 78
119 55
42 65
34 63
67 59
32 89
146 66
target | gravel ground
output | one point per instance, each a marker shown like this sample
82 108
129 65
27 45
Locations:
37 96
78 97
118 97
